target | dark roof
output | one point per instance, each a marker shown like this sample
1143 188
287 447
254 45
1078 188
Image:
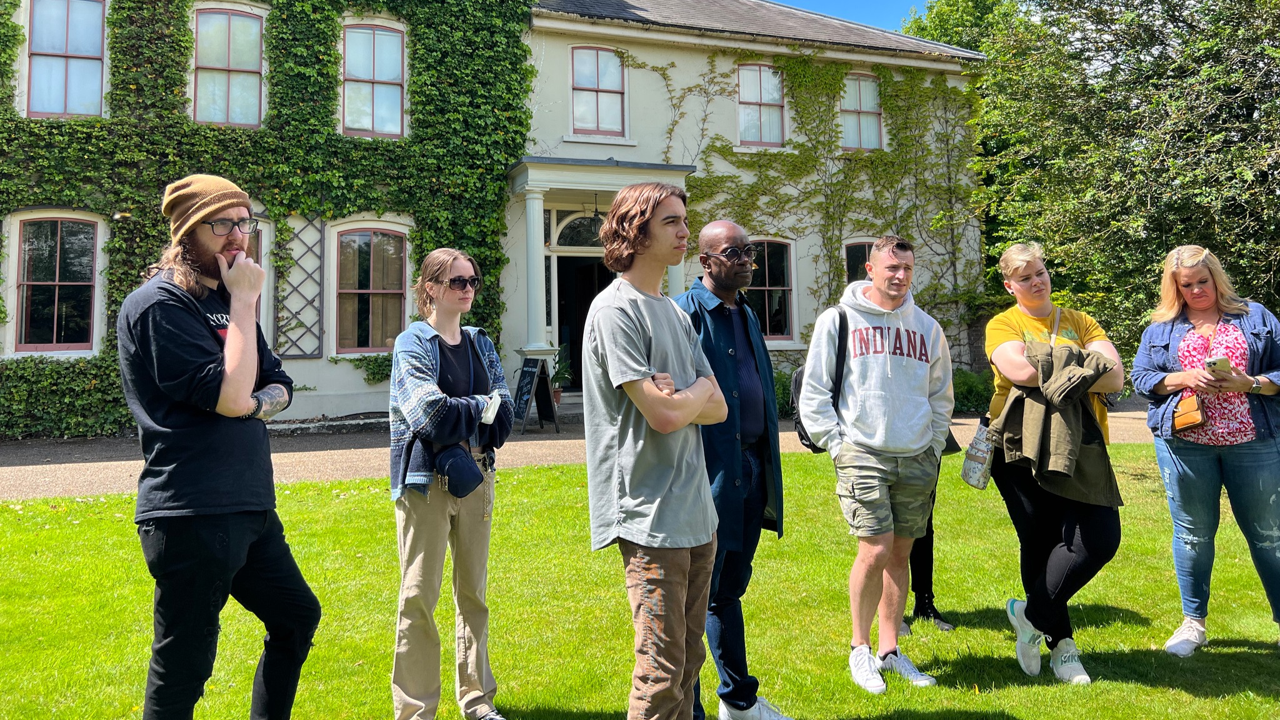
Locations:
754 17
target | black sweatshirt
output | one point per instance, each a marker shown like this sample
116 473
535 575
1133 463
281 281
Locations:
171 363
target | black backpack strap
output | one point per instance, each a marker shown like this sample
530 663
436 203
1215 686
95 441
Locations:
842 349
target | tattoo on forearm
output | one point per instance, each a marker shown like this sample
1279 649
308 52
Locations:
275 398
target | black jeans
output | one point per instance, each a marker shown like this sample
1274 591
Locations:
1064 543
197 561
726 631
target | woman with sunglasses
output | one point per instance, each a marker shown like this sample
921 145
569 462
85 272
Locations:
450 409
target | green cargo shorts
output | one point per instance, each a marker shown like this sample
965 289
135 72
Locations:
881 494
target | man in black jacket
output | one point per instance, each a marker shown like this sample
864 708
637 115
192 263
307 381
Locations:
201 380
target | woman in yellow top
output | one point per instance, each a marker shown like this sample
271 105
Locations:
1063 542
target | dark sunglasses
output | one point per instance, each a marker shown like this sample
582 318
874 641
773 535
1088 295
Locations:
460 283
734 255
223 227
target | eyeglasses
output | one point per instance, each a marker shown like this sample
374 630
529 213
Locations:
734 254
460 283
223 227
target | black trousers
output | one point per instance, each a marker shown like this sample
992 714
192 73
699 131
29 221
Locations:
197 562
1063 543
922 562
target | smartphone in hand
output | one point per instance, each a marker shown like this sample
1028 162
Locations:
1219 366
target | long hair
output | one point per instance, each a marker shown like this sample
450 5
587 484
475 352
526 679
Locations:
179 261
435 269
1192 256
623 233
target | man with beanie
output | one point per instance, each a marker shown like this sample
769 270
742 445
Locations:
201 380
886 438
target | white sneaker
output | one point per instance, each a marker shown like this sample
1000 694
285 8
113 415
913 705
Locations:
899 663
1065 661
865 670
1029 638
1188 638
762 710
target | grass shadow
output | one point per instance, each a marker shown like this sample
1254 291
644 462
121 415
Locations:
1227 667
1084 616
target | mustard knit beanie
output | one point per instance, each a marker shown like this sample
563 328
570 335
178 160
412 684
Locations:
196 197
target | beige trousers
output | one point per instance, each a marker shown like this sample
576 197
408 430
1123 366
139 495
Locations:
425 525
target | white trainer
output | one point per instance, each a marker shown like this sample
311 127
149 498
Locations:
1029 638
1188 638
897 662
865 670
762 710
1065 661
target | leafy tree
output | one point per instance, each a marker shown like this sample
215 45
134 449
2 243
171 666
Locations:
1126 129
963 23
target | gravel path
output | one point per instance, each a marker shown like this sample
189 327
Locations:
81 467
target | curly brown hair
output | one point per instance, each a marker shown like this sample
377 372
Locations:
623 233
179 260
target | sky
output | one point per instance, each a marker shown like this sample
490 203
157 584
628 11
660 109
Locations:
886 14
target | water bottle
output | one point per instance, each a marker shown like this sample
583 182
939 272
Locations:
977 458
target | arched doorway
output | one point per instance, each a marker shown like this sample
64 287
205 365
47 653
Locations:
579 274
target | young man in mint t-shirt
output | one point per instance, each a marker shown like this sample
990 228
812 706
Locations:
646 387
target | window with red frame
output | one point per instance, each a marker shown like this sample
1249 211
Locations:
228 68
855 261
860 113
373 82
370 290
760 109
55 285
597 92
769 294
66 44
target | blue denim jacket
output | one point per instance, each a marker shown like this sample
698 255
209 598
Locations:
714 325
1158 356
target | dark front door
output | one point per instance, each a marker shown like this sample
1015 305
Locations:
578 280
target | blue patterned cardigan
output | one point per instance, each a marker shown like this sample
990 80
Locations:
422 415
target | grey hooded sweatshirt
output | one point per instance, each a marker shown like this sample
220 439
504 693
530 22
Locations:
897 397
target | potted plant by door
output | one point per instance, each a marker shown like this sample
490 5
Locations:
561 374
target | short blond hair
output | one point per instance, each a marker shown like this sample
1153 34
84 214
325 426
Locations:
1018 256
1193 256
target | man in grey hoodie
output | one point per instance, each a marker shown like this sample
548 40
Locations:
886 439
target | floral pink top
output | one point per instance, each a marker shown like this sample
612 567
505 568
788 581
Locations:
1227 418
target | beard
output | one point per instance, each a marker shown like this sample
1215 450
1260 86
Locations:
206 264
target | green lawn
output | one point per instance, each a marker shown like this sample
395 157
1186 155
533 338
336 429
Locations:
75 612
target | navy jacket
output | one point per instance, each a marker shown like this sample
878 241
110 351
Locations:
720 443
1158 356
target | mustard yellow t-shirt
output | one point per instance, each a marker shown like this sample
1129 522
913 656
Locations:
1013 325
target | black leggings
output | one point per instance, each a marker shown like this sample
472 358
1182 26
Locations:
922 563
1064 543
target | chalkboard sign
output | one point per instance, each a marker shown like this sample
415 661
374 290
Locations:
535 384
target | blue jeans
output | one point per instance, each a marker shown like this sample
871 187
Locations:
726 633
1194 476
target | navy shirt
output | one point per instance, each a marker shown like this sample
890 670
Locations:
750 391
197 462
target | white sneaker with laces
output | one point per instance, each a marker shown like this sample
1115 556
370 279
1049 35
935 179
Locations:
865 670
1029 638
1065 661
1188 638
762 710
897 662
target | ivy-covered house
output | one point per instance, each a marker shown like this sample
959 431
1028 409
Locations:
367 133
816 134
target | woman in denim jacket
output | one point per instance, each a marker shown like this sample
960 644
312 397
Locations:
1201 317
450 409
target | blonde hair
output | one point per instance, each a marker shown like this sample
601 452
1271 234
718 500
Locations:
435 269
1018 255
1193 256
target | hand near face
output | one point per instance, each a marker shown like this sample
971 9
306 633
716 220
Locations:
243 278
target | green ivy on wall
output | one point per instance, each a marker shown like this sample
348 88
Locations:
468 119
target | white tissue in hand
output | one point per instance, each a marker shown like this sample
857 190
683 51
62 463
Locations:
491 408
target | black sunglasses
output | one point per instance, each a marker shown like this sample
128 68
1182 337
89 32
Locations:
221 228
460 283
734 254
